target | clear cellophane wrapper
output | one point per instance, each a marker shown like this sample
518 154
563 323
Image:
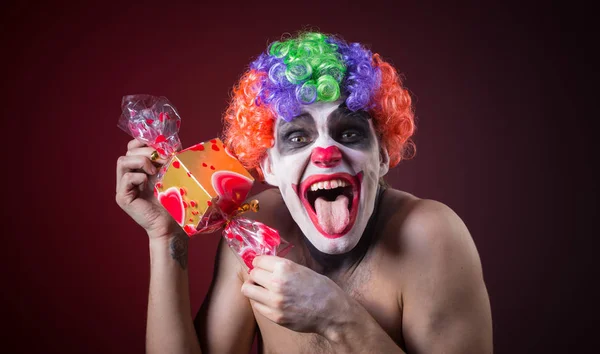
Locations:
203 187
247 238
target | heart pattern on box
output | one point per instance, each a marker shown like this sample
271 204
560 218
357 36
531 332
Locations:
172 201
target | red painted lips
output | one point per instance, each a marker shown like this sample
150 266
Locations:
353 181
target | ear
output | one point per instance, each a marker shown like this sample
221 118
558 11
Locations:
384 161
267 171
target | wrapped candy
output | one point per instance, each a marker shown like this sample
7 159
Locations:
152 120
204 186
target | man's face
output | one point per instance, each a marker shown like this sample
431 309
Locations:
327 164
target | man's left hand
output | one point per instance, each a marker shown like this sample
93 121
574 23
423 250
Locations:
294 296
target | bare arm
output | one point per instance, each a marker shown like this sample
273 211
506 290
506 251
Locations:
356 331
169 323
169 326
225 322
445 303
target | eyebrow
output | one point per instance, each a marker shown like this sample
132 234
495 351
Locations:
344 112
302 116
302 119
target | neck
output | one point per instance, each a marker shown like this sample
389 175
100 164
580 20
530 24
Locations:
341 263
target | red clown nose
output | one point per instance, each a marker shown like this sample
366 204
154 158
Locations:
326 158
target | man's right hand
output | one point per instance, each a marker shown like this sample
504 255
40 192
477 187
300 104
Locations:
136 175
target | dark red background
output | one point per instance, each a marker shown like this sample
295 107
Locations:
501 139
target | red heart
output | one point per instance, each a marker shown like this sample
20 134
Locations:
171 200
232 189
248 256
270 237
159 139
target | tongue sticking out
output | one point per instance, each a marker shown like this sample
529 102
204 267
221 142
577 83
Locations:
333 216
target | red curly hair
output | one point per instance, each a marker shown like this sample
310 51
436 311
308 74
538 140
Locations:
249 125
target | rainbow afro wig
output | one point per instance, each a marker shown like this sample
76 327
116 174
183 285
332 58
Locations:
309 68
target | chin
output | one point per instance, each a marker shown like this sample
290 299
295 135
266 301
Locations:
333 246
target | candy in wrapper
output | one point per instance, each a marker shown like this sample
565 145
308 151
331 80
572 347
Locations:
152 120
249 239
204 186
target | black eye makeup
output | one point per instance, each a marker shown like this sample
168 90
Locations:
343 125
351 128
297 134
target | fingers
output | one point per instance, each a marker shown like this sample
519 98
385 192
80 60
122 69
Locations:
262 278
141 151
145 151
138 148
270 313
256 293
127 164
132 144
129 182
269 263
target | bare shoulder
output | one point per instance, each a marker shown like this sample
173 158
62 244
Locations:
272 210
435 234
269 201
423 226
442 292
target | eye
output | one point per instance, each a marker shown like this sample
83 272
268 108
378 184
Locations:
299 138
351 136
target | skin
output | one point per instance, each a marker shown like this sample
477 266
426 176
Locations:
169 321
411 283
288 164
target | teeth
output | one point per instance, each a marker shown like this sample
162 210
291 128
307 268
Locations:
335 183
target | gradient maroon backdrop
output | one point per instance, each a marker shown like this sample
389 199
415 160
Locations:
500 140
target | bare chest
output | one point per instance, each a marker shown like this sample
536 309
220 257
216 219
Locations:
369 285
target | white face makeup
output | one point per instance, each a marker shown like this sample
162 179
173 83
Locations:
327 163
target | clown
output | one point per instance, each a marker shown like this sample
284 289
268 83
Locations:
373 270
322 120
